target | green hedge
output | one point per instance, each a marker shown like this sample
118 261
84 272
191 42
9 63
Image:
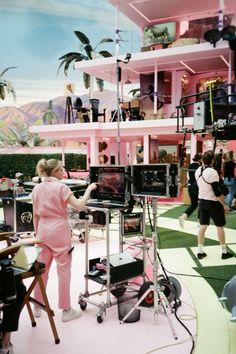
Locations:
11 164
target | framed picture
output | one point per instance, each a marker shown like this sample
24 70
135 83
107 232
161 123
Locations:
168 153
163 33
153 150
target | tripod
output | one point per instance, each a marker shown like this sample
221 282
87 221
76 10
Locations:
161 304
69 116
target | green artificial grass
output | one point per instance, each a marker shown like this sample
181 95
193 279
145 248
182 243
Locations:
176 239
174 213
217 276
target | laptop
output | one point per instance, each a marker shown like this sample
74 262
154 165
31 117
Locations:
25 257
119 259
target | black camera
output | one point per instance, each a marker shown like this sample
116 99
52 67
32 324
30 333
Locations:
7 282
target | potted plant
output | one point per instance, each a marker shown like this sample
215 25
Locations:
87 53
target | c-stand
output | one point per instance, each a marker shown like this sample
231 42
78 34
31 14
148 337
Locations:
69 116
160 304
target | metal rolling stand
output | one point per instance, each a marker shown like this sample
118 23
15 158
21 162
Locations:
145 244
161 304
114 277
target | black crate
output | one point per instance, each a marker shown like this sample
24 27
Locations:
119 273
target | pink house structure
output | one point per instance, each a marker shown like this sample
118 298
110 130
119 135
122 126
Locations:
174 61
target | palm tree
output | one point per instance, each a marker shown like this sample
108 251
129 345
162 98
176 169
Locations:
18 134
49 116
89 54
6 85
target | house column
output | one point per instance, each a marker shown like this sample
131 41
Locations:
88 155
146 149
193 145
63 153
93 150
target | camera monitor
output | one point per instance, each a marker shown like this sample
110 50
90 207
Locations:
113 183
131 224
155 180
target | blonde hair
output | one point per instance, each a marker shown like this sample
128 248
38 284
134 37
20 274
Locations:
45 168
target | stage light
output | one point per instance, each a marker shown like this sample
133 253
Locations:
212 36
228 33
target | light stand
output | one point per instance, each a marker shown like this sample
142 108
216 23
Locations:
69 116
161 304
118 79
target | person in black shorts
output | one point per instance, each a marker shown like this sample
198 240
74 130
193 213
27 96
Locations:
211 204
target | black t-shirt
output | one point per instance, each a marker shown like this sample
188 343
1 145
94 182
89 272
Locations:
192 168
229 167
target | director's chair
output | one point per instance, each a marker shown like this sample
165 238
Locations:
36 274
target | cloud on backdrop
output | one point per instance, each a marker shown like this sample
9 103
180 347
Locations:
36 33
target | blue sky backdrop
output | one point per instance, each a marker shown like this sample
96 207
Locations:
34 34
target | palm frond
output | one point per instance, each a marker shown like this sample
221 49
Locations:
68 55
2 92
105 54
67 65
10 88
5 70
89 51
67 60
86 80
104 40
82 37
135 92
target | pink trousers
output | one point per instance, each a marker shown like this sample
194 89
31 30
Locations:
63 263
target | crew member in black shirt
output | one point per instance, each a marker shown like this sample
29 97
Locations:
192 188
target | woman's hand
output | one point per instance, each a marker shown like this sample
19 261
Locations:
93 186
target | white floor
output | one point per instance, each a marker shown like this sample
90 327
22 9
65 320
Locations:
86 336
200 311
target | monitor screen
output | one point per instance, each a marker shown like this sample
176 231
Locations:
155 180
131 223
113 183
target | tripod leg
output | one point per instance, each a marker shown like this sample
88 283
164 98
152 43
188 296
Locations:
165 306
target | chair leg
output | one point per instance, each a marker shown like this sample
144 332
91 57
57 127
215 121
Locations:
44 306
48 309
32 319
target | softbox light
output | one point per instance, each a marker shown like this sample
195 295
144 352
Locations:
78 104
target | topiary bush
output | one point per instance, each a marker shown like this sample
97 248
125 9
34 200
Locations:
11 164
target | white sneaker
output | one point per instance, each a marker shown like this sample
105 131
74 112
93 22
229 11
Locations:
182 218
8 350
69 315
37 311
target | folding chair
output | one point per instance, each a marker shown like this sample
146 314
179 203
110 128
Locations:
36 273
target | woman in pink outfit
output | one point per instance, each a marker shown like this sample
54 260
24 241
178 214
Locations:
50 201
